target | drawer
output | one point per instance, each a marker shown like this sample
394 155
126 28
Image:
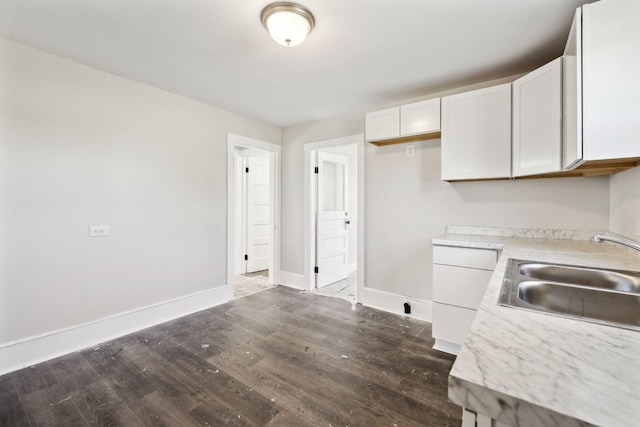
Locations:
451 323
459 286
465 257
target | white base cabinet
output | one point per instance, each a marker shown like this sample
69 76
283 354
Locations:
460 278
472 419
450 326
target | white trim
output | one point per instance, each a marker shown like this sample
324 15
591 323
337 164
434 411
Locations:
352 267
447 347
29 351
275 179
309 204
292 280
394 303
361 261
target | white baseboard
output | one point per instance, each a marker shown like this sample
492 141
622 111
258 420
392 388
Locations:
394 303
292 280
27 352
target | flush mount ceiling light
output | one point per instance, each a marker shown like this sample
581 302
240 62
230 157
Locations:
287 23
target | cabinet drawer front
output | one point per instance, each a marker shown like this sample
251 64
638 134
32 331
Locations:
463 287
465 257
451 323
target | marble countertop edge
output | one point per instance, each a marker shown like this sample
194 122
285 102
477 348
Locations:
531 369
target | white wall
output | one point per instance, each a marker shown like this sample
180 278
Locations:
407 204
350 151
81 147
625 203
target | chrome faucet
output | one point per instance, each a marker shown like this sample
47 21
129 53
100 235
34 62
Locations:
627 243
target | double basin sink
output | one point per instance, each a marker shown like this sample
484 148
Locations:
610 297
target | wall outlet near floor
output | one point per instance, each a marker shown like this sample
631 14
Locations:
407 308
98 231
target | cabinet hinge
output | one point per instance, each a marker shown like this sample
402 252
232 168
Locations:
246 170
246 257
315 269
315 170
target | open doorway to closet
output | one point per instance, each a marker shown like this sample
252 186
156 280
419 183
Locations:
252 216
333 217
252 221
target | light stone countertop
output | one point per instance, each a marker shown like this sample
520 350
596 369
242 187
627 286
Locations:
525 368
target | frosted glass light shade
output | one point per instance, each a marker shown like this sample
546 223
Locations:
287 23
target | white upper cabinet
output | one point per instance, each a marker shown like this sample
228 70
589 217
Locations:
601 84
476 134
383 124
537 121
611 79
572 95
420 117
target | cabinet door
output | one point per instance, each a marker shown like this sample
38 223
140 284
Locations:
537 120
420 117
382 124
572 96
476 134
451 323
611 83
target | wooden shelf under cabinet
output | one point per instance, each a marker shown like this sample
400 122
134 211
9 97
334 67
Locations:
408 138
589 168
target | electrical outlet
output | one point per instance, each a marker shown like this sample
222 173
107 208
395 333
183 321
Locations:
98 231
411 149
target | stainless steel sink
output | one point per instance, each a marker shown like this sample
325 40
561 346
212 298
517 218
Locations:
610 297
592 277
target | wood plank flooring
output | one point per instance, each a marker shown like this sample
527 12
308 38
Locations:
274 358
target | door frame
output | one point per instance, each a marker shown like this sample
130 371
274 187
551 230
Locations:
274 151
310 150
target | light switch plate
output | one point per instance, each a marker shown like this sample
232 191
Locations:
98 231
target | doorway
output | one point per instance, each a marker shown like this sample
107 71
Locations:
334 222
253 215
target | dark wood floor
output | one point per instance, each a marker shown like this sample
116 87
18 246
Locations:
275 358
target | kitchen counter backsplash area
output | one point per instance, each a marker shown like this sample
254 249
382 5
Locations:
497 237
531 233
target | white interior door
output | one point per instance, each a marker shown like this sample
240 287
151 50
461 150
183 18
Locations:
332 220
258 211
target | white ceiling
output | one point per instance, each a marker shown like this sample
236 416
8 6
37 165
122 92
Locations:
361 54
